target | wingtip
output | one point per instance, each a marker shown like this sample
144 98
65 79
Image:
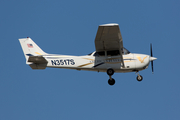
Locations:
110 24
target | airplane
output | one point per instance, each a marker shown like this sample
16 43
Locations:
110 55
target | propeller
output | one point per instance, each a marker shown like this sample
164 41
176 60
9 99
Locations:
152 58
152 61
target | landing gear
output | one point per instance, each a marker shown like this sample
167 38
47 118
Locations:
110 72
111 81
139 77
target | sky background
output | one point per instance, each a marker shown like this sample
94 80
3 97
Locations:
69 27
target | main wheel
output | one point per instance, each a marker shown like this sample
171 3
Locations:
110 71
111 81
139 78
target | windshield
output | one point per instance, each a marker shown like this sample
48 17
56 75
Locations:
125 51
90 53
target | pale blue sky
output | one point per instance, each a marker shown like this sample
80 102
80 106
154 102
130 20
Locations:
69 27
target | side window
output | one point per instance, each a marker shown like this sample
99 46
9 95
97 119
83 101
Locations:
113 53
99 53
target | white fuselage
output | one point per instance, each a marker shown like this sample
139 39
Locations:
132 62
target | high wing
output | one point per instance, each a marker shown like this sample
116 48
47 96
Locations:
109 38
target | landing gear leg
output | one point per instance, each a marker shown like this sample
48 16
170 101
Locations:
110 72
139 77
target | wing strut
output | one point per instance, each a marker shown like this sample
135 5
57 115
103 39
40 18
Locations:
121 56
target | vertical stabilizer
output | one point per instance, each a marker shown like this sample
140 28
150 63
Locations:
30 48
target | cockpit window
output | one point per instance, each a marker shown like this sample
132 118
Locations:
102 53
125 51
116 52
110 53
113 53
90 53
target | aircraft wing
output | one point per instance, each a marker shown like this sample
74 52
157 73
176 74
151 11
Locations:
109 38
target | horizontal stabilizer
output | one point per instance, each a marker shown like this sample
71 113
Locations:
37 59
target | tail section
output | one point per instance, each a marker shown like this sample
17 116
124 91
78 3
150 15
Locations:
33 53
30 48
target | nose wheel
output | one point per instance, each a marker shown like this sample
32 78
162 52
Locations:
139 77
110 72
